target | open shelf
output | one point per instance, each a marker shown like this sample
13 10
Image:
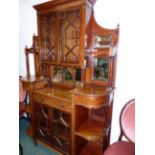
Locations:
92 149
89 106
91 130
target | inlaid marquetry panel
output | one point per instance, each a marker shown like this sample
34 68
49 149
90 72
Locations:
48 37
70 36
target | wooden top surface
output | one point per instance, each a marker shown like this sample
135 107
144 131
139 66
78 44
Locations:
58 2
32 79
93 91
55 92
67 93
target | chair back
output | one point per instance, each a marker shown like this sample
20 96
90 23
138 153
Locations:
127 120
22 92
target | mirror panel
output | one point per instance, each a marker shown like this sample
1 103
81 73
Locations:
100 69
102 41
66 75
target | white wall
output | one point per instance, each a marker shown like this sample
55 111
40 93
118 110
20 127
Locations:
27 27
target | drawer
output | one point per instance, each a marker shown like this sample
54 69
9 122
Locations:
53 102
35 85
41 84
27 86
91 101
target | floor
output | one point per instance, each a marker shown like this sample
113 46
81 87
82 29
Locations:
27 143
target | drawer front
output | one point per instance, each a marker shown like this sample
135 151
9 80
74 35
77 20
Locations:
92 101
27 86
41 84
53 102
36 85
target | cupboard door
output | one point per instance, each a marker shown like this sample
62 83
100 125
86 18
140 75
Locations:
48 33
61 131
70 36
43 123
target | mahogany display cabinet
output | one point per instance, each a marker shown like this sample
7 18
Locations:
72 92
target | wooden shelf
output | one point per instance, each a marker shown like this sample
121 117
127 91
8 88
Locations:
91 130
92 149
89 106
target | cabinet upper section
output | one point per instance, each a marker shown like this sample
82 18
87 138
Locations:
61 31
60 4
101 41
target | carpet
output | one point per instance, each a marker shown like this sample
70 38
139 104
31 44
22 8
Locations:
27 142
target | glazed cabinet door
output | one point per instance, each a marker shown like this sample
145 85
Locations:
70 36
53 127
61 131
42 123
48 35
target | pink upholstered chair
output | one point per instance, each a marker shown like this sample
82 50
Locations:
22 99
127 125
22 105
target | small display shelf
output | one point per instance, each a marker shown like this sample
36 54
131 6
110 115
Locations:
91 130
92 149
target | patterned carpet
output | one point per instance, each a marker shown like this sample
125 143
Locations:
27 143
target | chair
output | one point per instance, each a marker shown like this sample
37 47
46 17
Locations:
127 126
22 99
22 106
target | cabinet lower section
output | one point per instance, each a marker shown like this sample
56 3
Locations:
72 123
53 127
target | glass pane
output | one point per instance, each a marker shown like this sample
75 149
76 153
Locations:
48 36
100 69
68 74
70 36
65 75
57 74
102 41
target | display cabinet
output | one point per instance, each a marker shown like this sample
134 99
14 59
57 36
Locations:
71 108
61 29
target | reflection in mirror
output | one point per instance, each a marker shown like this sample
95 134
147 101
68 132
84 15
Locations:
57 74
100 69
65 75
68 75
78 75
102 41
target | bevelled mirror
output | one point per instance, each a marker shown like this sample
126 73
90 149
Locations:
65 75
100 69
102 41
